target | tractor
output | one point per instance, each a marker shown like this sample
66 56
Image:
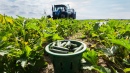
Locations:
63 11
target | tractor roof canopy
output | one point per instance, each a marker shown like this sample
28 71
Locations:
61 5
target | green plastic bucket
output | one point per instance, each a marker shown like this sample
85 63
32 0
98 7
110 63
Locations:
66 63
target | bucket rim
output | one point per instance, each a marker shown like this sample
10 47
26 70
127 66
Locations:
69 54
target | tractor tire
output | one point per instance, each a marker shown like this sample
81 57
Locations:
62 16
74 16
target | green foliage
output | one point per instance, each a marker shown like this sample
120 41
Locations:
127 70
121 42
111 42
91 56
22 42
101 69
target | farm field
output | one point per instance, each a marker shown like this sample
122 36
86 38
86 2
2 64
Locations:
22 43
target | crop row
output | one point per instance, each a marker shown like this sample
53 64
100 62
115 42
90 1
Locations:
22 42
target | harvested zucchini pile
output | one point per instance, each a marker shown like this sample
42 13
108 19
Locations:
65 47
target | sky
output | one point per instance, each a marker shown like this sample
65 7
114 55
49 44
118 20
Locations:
85 9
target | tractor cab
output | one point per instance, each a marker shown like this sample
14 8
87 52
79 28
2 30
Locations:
59 7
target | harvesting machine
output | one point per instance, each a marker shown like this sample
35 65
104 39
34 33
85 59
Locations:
63 11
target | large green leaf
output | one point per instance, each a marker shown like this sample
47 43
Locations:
32 26
121 42
101 69
110 51
96 26
126 61
3 52
27 50
127 70
56 37
23 62
91 56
